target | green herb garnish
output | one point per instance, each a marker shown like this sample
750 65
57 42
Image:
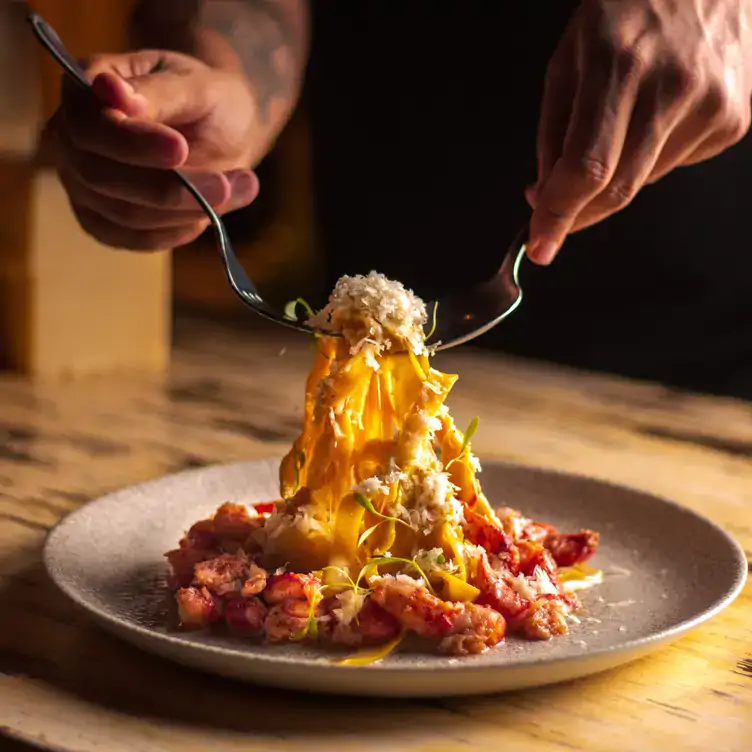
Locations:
465 448
291 309
377 562
433 324
369 507
367 533
367 504
333 568
311 628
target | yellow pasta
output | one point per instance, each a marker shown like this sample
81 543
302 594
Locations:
383 527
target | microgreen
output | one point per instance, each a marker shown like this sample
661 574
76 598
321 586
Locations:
433 323
367 533
341 571
311 628
378 561
367 504
465 448
291 309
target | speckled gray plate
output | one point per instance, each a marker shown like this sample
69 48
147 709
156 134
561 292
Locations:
666 570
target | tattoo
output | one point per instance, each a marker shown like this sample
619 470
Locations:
263 36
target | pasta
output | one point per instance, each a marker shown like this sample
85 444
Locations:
383 528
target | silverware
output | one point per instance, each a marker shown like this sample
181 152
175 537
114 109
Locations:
460 317
463 316
236 275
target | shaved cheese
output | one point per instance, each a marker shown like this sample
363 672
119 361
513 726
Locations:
374 314
349 604
372 486
432 501
531 587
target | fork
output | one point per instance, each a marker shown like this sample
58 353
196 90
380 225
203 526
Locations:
464 315
236 274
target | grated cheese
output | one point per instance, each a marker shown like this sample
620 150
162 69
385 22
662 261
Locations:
374 314
432 501
417 435
401 579
349 604
372 486
304 520
531 587
432 559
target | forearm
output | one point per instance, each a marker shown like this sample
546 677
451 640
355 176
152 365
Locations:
266 40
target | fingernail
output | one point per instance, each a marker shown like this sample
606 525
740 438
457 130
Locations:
244 185
213 188
542 252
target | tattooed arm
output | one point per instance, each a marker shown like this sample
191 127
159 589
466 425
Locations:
267 40
206 87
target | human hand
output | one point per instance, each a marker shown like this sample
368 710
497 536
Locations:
151 112
635 89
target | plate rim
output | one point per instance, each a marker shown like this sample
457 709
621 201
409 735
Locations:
636 645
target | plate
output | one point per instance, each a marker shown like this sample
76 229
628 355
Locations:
666 570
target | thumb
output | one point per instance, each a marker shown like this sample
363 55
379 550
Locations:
150 86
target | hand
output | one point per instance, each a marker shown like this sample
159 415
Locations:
151 112
635 89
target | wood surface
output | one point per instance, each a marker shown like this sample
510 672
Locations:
66 685
68 306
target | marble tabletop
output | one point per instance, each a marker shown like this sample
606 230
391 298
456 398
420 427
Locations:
67 686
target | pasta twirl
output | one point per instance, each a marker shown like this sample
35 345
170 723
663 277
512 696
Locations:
383 528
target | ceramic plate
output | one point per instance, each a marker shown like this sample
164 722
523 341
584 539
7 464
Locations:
666 570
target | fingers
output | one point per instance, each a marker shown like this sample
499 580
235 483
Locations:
653 93
137 185
111 133
606 93
115 149
661 106
124 224
725 122
559 91
112 234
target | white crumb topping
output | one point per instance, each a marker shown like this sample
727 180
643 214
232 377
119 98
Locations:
433 559
433 501
473 552
372 486
531 587
349 604
397 579
393 473
304 520
374 314
417 434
